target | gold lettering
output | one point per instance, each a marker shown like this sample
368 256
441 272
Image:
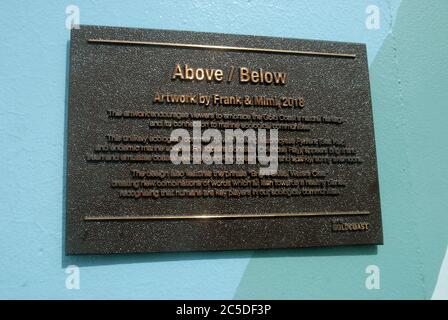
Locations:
262 77
259 76
177 72
244 75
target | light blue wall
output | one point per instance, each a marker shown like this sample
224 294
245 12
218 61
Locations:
407 56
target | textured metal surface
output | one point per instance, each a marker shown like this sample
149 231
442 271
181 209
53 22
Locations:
108 76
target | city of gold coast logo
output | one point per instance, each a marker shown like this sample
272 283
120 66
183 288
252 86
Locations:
350 226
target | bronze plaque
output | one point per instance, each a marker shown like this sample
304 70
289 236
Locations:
148 109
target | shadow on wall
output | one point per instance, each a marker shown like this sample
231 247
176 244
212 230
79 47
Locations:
98 260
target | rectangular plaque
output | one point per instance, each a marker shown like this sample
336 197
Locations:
133 90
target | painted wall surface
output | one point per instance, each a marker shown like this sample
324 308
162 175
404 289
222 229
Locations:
408 52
